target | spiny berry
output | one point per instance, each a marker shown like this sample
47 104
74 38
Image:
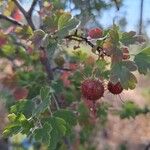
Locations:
92 89
95 33
114 88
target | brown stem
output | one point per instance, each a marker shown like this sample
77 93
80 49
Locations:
45 62
18 4
26 14
78 38
11 20
61 69
117 4
141 17
32 7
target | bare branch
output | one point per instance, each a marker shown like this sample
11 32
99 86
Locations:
61 69
45 62
11 20
83 39
141 17
117 4
18 4
32 7
79 39
26 14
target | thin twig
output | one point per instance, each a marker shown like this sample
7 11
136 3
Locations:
83 39
61 69
79 39
56 102
32 7
117 4
11 20
46 64
26 14
18 4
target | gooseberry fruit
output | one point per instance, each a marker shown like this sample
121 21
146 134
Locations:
125 53
114 88
95 33
20 93
92 89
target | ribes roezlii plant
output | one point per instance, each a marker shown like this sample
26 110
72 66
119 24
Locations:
52 90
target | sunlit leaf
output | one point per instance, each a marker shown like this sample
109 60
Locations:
142 60
58 130
128 38
67 115
122 73
43 134
129 109
9 8
70 25
24 106
63 20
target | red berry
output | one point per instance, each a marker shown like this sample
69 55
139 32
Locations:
92 89
20 93
95 33
17 15
114 88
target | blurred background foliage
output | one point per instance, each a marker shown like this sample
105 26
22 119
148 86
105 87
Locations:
92 13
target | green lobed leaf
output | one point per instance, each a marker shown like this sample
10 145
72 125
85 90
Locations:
130 65
100 70
12 117
8 49
18 123
43 134
25 107
142 61
83 114
129 38
114 35
70 25
129 109
45 92
49 22
102 112
122 73
24 32
58 130
79 55
11 129
67 115
42 106
63 20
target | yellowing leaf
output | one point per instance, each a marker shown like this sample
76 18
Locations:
63 20
24 32
9 8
